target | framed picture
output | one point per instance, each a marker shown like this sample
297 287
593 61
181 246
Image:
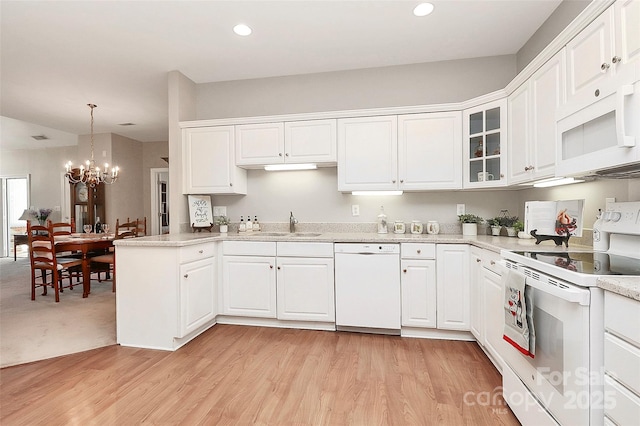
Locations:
200 213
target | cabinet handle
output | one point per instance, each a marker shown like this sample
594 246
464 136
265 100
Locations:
404 270
287 154
279 154
604 67
401 180
231 184
597 93
478 260
200 251
419 251
493 262
616 59
278 268
186 275
393 181
526 169
270 266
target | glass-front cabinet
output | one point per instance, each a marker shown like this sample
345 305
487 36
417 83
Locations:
485 145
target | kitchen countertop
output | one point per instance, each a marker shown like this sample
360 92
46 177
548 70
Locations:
627 286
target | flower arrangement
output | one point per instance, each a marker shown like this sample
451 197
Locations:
222 220
494 221
508 221
518 226
470 218
40 215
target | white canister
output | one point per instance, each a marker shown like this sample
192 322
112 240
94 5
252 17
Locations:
433 227
416 227
398 227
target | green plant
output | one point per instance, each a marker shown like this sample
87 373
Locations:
222 220
470 218
508 221
494 221
518 226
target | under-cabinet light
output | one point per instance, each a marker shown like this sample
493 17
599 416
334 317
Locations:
556 182
376 192
284 167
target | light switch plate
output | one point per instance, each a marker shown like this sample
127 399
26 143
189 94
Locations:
460 209
219 210
355 210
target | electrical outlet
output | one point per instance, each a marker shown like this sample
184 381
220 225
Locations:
460 209
355 210
219 210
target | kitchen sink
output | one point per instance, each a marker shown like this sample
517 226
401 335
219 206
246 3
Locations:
286 234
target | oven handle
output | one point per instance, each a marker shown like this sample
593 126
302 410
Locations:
572 295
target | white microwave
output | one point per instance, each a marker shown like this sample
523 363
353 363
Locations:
602 135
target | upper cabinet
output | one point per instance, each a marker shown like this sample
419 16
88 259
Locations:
409 152
312 141
605 54
485 144
430 151
532 123
368 153
208 162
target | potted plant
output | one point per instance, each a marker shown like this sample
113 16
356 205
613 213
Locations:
223 222
519 228
495 225
470 223
508 222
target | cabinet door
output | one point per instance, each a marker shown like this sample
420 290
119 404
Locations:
249 286
209 162
589 58
197 295
418 285
547 96
368 153
475 295
453 286
494 316
430 151
313 141
485 145
520 162
627 42
259 144
305 289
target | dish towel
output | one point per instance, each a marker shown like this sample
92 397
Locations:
518 313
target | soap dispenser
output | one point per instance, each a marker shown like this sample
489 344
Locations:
382 221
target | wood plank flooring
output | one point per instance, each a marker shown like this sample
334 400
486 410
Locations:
235 375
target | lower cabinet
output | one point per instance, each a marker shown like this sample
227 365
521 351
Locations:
197 295
453 286
476 295
418 285
249 286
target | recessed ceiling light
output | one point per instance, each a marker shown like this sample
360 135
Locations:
423 9
242 30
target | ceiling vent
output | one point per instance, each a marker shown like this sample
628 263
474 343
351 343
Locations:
40 137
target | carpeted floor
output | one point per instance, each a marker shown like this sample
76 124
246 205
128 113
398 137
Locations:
41 329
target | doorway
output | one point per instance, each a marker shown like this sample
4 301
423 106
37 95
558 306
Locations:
14 191
159 201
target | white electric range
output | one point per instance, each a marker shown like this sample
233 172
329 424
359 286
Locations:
564 383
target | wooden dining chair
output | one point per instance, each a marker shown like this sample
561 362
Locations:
42 255
126 230
65 229
142 227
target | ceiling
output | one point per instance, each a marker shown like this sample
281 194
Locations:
57 56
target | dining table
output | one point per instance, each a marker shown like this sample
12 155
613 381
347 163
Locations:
84 244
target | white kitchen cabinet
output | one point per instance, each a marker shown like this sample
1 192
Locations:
368 153
452 273
249 279
418 284
208 162
476 296
485 145
621 359
532 123
605 54
165 306
197 295
430 151
493 311
305 282
310 141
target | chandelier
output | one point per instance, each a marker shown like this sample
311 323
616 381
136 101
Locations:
91 175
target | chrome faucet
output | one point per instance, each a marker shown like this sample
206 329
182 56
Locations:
292 223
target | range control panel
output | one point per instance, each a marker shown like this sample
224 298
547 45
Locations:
622 218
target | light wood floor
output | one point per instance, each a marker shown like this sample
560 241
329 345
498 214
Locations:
266 376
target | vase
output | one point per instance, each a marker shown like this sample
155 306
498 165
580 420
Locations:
511 231
469 229
224 229
495 230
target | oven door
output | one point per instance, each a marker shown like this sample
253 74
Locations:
558 377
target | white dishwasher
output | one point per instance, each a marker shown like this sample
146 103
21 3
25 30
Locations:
367 280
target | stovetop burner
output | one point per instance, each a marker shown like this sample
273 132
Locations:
593 263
